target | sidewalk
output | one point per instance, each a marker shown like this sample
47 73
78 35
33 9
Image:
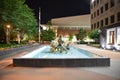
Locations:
113 70
8 72
13 51
108 53
6 60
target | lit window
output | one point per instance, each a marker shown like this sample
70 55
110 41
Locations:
111 37
118 36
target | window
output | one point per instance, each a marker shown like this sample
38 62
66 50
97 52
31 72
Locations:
101 9
97 1
112 3
101 1
101 23
97 12
94 14
118 36
111 37
106 6
112 18
118 16
106 21
118 1
97 24
91 6
94 25
94 3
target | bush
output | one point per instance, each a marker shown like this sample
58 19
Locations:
82 42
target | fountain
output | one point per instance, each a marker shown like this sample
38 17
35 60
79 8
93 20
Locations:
60 54
59 45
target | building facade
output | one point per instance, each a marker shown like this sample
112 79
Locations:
72 24
67 26
105 16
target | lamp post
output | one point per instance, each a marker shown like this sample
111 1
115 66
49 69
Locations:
39 34
39 25
7 34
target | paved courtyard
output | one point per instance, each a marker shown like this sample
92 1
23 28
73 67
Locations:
8 72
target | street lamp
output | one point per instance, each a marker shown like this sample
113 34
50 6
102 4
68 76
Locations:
8 26
44 27
39 25
7 34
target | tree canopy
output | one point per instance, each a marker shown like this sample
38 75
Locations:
17 14
47 35
81 35
94 34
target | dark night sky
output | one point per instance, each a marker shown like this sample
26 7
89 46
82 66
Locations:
59 8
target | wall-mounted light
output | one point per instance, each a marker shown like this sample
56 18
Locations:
92 1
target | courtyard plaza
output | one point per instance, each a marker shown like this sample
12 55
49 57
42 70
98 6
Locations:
9 72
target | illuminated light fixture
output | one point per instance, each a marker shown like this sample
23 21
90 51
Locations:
44 27
8 26
93 1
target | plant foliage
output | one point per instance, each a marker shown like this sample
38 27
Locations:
17 14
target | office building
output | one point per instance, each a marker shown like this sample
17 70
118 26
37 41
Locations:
105 16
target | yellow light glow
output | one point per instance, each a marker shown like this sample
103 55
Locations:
8 26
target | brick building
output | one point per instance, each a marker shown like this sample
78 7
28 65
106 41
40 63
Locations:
105 15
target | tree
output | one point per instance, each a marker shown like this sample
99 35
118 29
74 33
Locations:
81 35
19 15
94 34
47 35
70 37
2 34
